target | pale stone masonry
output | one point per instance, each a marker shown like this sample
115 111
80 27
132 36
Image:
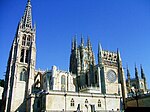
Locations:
86 87
21 65
1 91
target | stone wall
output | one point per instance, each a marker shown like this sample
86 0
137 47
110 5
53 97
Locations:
59 101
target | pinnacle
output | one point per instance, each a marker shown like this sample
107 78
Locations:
27 17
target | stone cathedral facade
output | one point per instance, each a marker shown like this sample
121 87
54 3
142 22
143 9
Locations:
86 87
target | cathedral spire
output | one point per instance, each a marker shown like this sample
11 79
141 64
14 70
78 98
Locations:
26 20
128 73
128 76
142 72
99 53
22 59
143 77
72 45
136 73
99 48
118 54
82 40
75 42
88 42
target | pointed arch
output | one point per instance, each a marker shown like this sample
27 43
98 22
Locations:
63 83
86 103
27 56
72 102
28 40
22 55
99 103
23 75
24 40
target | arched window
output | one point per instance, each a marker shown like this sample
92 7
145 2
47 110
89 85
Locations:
23 75
142 85
27 56
24 40
22 55
72 102
99 103
86 103
63 82
28 40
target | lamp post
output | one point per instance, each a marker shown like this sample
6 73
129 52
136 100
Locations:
136 97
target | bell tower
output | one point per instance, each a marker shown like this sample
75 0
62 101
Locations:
21 65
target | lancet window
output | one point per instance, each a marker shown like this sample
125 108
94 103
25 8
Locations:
24 40
22 55
28 40
72 102
23 75
63 82
27 55
99 103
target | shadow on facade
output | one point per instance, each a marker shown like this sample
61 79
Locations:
21 108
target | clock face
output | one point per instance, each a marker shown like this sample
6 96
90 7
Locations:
111 76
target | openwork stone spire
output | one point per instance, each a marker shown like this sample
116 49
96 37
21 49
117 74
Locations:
27 17
142 72
99 53
136 73
128 76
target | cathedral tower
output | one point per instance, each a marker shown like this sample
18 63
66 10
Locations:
111 73
144 78
21 65
137 78
82 62
107 62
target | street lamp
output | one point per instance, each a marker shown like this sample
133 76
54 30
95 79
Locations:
136 97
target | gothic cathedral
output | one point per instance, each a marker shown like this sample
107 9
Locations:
86 87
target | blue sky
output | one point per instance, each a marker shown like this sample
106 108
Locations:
123 24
